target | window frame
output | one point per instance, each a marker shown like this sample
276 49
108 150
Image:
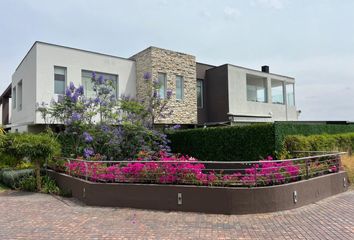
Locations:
282 92
19 95
181 89
286 94
14 97
265 87
201 93
164 85
97 75
65 79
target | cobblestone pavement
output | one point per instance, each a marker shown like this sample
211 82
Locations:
40 216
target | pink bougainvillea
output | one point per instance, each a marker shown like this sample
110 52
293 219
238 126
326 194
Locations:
179 169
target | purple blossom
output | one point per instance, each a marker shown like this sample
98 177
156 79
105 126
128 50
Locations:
169 93
147 75
175 127
72 86
80 90
100 79
88 152
93 75
68 92
88 138
74 98
97 100
75 116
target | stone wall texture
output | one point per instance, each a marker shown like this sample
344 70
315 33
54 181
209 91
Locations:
157 60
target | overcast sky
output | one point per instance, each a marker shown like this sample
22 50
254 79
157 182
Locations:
312 41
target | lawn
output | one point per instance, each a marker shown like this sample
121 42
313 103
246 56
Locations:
348 163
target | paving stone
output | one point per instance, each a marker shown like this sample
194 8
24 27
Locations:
40 216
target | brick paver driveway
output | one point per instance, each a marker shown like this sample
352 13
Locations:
40 216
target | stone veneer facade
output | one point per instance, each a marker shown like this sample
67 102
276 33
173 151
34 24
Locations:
157 60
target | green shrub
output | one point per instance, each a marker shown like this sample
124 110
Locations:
324 142
49 185
234 143
28 184
284 129
36 147
12 178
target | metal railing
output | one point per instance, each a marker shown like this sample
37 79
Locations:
214 173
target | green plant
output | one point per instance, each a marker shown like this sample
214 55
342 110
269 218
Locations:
28 183
36 147
49 185
12 178
236 143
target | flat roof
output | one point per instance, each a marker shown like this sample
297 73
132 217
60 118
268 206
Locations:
250 69
71 48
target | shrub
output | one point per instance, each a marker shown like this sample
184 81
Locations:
284 129
36 147
12 178
234 143
49 185
28 184
324 142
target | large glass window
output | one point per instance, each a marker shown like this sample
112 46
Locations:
290 96
19 95
179 87
162 84
59 80
256 89
277 92
87 83
200 93
14 98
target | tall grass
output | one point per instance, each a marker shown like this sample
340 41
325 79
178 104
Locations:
348 164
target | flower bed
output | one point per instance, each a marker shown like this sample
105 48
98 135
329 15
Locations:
172 169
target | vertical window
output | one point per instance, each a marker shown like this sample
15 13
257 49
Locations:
19 95
110 80
200 93
14 98
277 92
256 88
179 87
162 85
290 96
59 80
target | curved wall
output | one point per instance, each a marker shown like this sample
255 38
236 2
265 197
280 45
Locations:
204 199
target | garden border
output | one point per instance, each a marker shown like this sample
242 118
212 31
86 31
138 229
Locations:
206 199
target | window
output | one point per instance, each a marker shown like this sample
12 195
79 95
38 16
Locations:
200 93
256 88
277 92
19 95
87 83
290 96
14 98
162 85
59 80
179 87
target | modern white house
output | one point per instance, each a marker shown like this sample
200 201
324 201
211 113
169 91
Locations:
202 93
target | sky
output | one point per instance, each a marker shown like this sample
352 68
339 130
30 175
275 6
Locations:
312 41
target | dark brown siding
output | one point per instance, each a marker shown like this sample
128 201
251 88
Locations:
217 99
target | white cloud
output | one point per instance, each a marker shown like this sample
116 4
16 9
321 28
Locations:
230 12
276 4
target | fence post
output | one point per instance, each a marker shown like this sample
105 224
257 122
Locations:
69 166
307 168
338 162
86 171
255 175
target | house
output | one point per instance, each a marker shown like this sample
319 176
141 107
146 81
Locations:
201 93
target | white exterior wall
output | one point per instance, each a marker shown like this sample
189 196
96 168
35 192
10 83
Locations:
238 104
26 72
75 61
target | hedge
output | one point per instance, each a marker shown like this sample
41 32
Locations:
12 178
283 129
323 142
236 143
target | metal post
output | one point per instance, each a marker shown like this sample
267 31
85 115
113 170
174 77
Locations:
338 162
69 166
307 168
86 171
255 175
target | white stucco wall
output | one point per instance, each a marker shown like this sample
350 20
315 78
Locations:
238 104
26 72
75 61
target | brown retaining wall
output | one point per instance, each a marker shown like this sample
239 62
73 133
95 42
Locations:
224 200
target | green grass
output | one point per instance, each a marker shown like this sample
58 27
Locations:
2 188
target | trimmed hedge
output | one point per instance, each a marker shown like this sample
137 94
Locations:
236 143
12 178
324 142
283 129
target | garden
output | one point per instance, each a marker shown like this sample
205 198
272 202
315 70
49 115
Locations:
110 139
